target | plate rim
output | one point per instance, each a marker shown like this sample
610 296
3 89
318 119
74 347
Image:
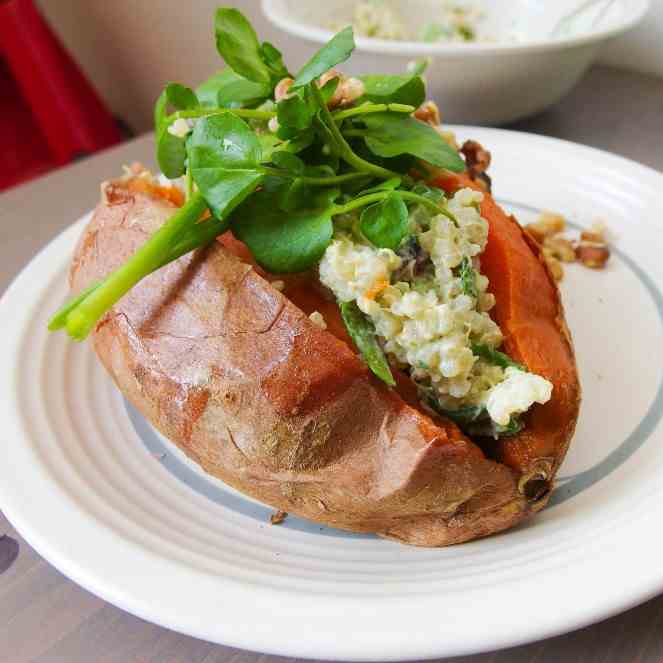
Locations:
640 589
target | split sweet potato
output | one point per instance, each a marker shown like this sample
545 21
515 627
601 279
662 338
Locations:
235 373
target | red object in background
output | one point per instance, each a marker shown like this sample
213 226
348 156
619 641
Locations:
49 112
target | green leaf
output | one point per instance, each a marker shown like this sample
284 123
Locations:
514 426
171 150
325 134
238 45
475 421
338 49
463 416
297 195
242 93
432 193
208 91
387 185
224 156
328 89
181 97
468 278
269 143
280 241
495 357
294 112
171 153
402 89
418 67
385 223
301 141
288 161
362 332
321 170
273 58
225 140
160 111
486 427
226 89
389 135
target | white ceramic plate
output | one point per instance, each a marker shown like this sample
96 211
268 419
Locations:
117 509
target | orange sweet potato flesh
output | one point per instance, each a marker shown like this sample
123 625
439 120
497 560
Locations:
529 312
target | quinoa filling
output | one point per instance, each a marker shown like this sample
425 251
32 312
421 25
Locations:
429 305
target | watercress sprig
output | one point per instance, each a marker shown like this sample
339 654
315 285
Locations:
280 188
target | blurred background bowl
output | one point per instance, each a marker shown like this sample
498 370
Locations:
517 69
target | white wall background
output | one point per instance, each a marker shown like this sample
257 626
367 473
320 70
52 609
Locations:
130 48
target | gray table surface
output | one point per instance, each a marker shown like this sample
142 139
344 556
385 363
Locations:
45 617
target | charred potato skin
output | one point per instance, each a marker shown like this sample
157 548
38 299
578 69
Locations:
248 387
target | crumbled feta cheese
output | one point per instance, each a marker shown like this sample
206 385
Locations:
352 270
179 128
317 319
516 393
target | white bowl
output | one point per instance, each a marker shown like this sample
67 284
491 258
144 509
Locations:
485 82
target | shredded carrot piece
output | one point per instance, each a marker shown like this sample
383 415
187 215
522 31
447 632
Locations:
376 289
172 194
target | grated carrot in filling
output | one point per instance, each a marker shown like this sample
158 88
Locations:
376 289
172 194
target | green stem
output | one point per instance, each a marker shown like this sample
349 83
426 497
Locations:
248 113
362 201
315 181
339 116
149 257
354 133
189 184
198 235
59 320
346 152
422 200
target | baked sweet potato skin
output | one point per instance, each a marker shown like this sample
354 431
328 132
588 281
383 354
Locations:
247 386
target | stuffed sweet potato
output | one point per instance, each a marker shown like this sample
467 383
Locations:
336 318
241 379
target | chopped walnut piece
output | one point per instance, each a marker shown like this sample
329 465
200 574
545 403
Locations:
281 89
554 265
429 113
560 248
596 233
589 236
591 255
347 91
317 319
278 517
476 156
549 223
477 160
328 75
